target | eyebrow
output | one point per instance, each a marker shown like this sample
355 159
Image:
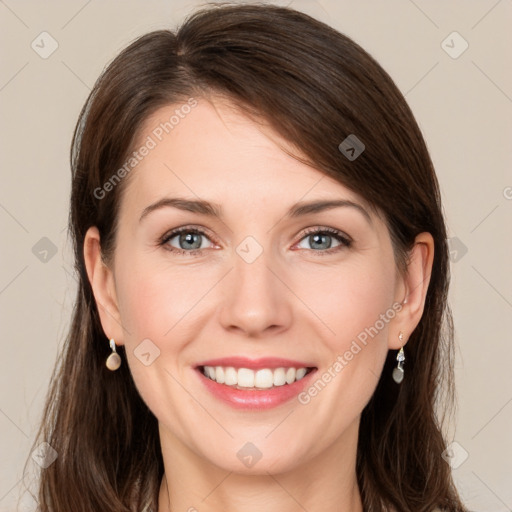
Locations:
203 207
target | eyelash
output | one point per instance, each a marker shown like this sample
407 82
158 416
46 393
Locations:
345 241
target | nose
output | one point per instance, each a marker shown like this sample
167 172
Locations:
257 301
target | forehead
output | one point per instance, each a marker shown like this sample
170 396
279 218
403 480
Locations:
213 151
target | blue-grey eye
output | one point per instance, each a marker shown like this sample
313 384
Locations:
187 240
321 240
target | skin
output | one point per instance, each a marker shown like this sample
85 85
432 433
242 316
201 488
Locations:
291 302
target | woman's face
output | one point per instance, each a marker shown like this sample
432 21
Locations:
317 289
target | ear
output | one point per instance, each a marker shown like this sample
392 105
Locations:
413 289
102 282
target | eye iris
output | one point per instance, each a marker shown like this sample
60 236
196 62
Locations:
317 238
190 238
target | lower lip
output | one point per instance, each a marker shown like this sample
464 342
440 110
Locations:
255 399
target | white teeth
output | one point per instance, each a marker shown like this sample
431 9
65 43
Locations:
290 375
264 379
247 378
300 373
230 376
279 377
219 374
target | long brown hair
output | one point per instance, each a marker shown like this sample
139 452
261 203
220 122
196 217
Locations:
315 87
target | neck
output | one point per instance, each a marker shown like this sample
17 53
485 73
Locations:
326 482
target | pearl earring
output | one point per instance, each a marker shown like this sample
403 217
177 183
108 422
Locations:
398 372
114 359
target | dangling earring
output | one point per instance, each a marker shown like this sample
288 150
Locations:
398 372
114 359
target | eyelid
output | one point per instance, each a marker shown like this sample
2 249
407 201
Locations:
326 229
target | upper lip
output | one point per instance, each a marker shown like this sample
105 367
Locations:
256 364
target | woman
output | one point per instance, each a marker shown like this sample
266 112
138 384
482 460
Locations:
262 319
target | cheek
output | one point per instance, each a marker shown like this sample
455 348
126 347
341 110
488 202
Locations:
155 302
355 302
349 298
155 297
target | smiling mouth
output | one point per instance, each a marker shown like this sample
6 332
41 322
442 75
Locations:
248 379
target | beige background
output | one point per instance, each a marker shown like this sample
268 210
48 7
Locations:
462 104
